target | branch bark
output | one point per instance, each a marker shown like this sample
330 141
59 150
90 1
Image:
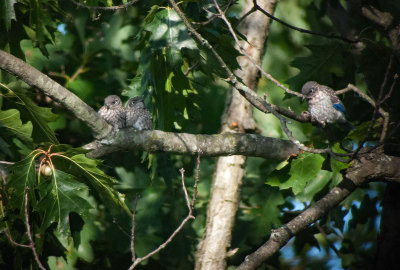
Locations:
369 166
190 144
49 87
229 171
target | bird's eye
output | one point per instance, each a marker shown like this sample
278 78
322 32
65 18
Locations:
311 90
114 102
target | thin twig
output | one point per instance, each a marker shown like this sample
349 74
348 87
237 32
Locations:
256 6
7 162
253 9
177 230
182 171
13 242
387 96
81 69
133 230
191 68
105 8
381 90
28 231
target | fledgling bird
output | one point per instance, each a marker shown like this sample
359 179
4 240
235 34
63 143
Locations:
324 106
113 112
137 115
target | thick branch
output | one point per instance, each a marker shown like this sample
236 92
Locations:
190 144
373 166
47 86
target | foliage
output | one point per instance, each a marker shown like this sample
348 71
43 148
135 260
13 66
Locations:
80 209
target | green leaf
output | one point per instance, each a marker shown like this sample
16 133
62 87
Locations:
303 169
39 116
313 187
60 196
266 212
22 177
100 181
82 88
168 31
11 121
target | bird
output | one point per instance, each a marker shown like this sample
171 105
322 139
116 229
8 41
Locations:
324 106
113 112
137 115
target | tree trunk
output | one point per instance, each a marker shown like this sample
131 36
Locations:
229 171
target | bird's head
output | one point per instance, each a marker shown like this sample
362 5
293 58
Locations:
309 89
112 101
136 102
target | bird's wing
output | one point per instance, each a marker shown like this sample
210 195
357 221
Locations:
337 104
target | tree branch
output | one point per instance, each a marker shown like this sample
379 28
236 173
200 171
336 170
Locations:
190 144
47 86
370 166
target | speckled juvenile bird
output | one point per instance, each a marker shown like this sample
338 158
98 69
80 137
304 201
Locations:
324 106
137 115
113 112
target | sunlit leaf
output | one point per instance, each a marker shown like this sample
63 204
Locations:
317 184
168 30
304 169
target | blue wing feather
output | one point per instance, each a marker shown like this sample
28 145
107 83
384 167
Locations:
339 107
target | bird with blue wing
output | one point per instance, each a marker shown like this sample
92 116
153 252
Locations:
327 109
324 106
